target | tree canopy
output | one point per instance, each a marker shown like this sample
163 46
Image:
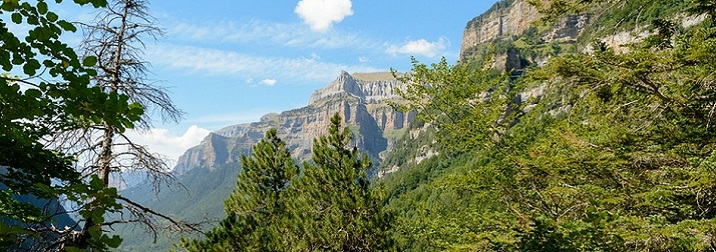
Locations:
327 205
605 151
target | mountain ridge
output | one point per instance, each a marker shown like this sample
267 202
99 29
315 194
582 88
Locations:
361 100
208 171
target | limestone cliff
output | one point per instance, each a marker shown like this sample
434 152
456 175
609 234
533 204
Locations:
505 18
211 151
508 19
360 99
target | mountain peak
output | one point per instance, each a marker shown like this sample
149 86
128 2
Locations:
344 84
364 86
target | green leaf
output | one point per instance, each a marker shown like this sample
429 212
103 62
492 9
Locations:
16 18
5 229
32 20
96 182
91 72
89 61
42 7
74 249
9 5
52 17
28 69
114 241
33 93
67 26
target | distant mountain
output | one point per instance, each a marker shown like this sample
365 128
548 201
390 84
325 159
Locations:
50 207
361 99
209 170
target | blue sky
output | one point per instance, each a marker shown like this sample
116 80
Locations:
232 61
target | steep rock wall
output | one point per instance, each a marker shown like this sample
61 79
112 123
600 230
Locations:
361 100
509 18
505 18
211 151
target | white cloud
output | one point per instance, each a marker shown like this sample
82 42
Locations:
294 35
321 14
269 82
221 120
228 63
166 143
363 59
420 47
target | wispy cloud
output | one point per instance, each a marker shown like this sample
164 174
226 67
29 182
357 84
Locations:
296 35
228 63
293 35
320 15
420 47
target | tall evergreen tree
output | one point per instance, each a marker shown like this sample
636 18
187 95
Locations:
341 213
259 206
331 207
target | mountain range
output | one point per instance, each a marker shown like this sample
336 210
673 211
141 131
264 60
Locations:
208 172
391 138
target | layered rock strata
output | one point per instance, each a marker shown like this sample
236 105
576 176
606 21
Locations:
360 99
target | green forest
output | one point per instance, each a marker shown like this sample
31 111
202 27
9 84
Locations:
596 149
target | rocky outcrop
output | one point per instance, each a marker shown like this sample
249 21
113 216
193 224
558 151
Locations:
505 18
368 88
620 41
510 60
360 99
213 150
510 18
567 29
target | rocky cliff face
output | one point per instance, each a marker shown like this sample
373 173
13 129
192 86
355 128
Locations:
213 151
505 18
360 99
509 18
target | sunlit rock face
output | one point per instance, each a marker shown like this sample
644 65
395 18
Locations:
360 99
505 18
510 18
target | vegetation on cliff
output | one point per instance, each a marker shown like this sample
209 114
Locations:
617 154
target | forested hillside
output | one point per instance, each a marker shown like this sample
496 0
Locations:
599 147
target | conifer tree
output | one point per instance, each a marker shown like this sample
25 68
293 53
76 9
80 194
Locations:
331 207
341 213
259 206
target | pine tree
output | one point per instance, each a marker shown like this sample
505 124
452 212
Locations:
341 213
331 207
259 206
